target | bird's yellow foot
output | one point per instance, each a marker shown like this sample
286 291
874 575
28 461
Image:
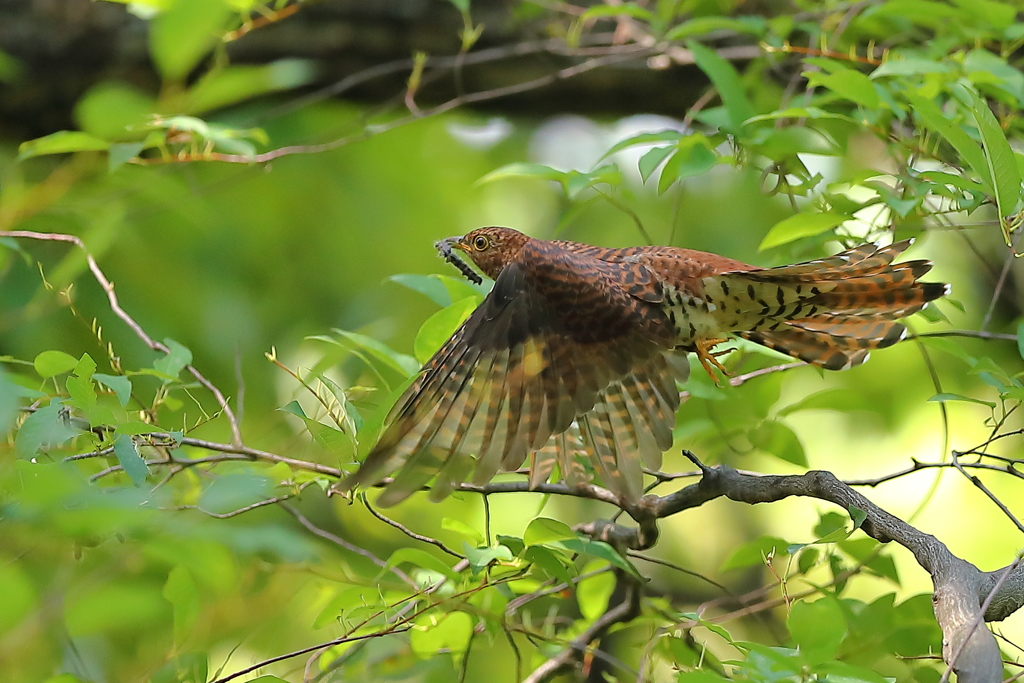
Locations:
708 358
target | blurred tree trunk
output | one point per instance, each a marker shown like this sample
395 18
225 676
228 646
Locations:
63 47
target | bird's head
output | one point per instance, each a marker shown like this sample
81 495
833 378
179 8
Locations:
491 249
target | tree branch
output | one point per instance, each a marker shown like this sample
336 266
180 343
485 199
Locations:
115 306
963 594
625 611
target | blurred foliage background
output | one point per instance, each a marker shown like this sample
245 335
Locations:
106 581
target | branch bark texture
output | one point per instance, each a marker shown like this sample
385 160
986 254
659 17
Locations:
964 596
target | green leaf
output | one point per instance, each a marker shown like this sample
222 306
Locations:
135 427
423 559
513 543
910 66
180 590
999 15
643 139
19 593
946 396
924 12
545 530
699 676
928 113
779 440
184 33
753 553
129 459
430 287
123 604
219 88
828 523
651 159
576 182
692 158
12 71
840 400
479 558
702 25
1020 343
523 170
848 673
404 365
331 439
52 363
817 628
463 529
8 401
593 593
1002 165
625 9
174 361
957 181
726 80
85 367
549 561
434 632
848 84
599 549
119 384
441 289
812 113
121 153
114 110
188 667
436 330
61 142
46 428
857 516
798 226
228 492
884 566
82 392
784 143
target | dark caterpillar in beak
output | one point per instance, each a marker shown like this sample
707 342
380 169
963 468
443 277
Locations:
444 247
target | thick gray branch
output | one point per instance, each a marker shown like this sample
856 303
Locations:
961 589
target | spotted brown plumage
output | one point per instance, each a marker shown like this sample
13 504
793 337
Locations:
575 353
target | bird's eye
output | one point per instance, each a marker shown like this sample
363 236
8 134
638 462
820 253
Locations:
480 243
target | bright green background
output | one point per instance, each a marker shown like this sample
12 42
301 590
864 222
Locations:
234 260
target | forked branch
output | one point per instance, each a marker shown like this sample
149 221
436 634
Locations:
964 595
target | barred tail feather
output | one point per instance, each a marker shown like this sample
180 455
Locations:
815 348
832 311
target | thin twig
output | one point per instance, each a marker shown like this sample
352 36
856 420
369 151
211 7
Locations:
115 306
297 653
407 531
242 510
337 540
984 489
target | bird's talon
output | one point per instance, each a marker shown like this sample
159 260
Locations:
708 359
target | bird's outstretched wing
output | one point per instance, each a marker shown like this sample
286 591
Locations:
565 356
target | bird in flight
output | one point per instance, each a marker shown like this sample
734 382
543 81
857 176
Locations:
575 353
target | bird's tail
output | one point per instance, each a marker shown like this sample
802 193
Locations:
831 312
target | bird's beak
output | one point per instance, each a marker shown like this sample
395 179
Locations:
456 242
